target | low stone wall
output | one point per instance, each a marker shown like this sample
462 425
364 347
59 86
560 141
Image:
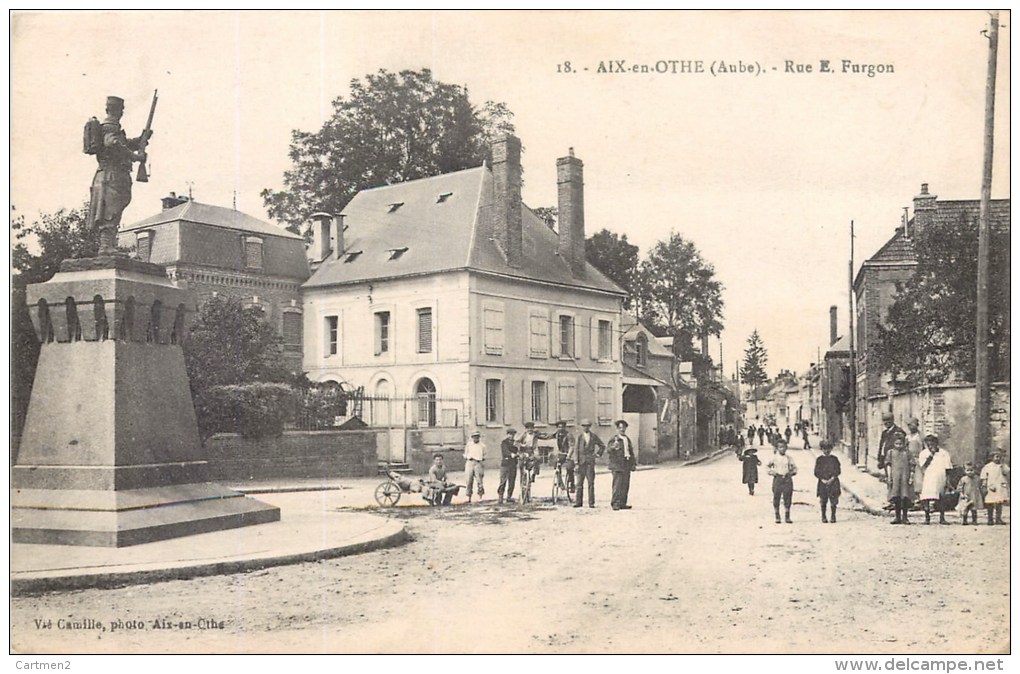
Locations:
295 454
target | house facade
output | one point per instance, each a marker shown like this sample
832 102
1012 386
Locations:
875 289
453 306
215 251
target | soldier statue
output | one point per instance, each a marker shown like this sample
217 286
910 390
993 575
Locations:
111 187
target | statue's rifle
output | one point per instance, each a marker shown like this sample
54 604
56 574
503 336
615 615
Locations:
143 141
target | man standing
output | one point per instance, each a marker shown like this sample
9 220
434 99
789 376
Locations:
507 466
474 468
111 186
564 452
621 462
586 448
885 442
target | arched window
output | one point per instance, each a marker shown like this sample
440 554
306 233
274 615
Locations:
425 392
381 403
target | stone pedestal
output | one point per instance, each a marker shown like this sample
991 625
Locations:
110 455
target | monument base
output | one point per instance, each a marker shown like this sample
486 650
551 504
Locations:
116 519
110 455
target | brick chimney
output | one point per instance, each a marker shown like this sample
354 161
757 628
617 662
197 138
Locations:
506 217
172 201
833 334
327 235
924 210
570 189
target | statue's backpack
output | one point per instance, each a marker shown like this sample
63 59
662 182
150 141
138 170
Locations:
92 137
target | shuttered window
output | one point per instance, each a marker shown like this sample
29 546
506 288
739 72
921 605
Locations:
538 334
332 335
425 330
566 336
144 247
253 252
382 332
493 401
605 403
539 401
492 327
292 329
605 340
566 395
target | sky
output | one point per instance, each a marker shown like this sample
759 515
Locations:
763 170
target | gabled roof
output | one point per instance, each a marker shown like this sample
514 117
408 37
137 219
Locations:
841 346
217 216
444 222
632 328
897 249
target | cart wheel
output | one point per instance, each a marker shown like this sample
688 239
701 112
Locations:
387 494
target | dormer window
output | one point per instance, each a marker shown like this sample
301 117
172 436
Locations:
253 252
352 256
395 253
395 206
443 197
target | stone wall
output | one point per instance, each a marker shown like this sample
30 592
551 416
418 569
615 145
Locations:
946 411
296 454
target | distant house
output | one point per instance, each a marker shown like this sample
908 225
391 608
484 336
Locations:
452 305
875 289
212 251
658 403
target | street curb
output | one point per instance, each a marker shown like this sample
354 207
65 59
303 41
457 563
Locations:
285 489
23 586
706 457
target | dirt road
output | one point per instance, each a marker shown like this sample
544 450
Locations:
697 566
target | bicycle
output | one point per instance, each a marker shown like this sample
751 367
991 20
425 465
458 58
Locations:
528 469
560 488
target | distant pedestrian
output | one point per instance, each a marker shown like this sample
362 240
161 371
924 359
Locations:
782 469
934 462
901 478
788 433
770 436
827 471
587 446
622 460
474 464
507 466
804 434
750 459
761 435
915 443
751 430
971 498
995 481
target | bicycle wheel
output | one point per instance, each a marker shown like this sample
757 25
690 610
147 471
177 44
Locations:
387 494
525 489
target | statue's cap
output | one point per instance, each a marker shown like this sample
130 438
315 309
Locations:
115 100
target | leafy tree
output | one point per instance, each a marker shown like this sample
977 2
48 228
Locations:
615 257
929 333
679 289
752 372
57 236
391 128
235 365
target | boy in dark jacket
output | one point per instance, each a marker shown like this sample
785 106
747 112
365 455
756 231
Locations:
827 472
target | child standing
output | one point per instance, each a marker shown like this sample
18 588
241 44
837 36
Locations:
827 471
995 482
749 457
971 498
782 469
901 477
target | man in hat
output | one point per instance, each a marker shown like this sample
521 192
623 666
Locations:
622 460
564 451
885 442
527 449
586 448
111 186
474 464
507 466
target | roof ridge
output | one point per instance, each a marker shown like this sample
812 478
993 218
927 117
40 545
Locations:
418 180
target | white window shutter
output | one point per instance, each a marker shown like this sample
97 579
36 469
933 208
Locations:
593 335
576 325
614 341
555 337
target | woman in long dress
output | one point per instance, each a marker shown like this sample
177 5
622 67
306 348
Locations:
934 462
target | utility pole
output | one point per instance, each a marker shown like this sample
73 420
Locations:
982 383
853 360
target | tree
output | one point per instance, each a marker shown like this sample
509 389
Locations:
929 333
58 236
679 290
392 127
615 257
752 372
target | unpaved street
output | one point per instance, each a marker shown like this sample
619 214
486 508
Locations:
697 566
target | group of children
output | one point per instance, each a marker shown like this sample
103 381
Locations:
923 477
782 469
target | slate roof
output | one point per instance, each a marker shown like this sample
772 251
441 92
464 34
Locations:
217 216
841 346
439 235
